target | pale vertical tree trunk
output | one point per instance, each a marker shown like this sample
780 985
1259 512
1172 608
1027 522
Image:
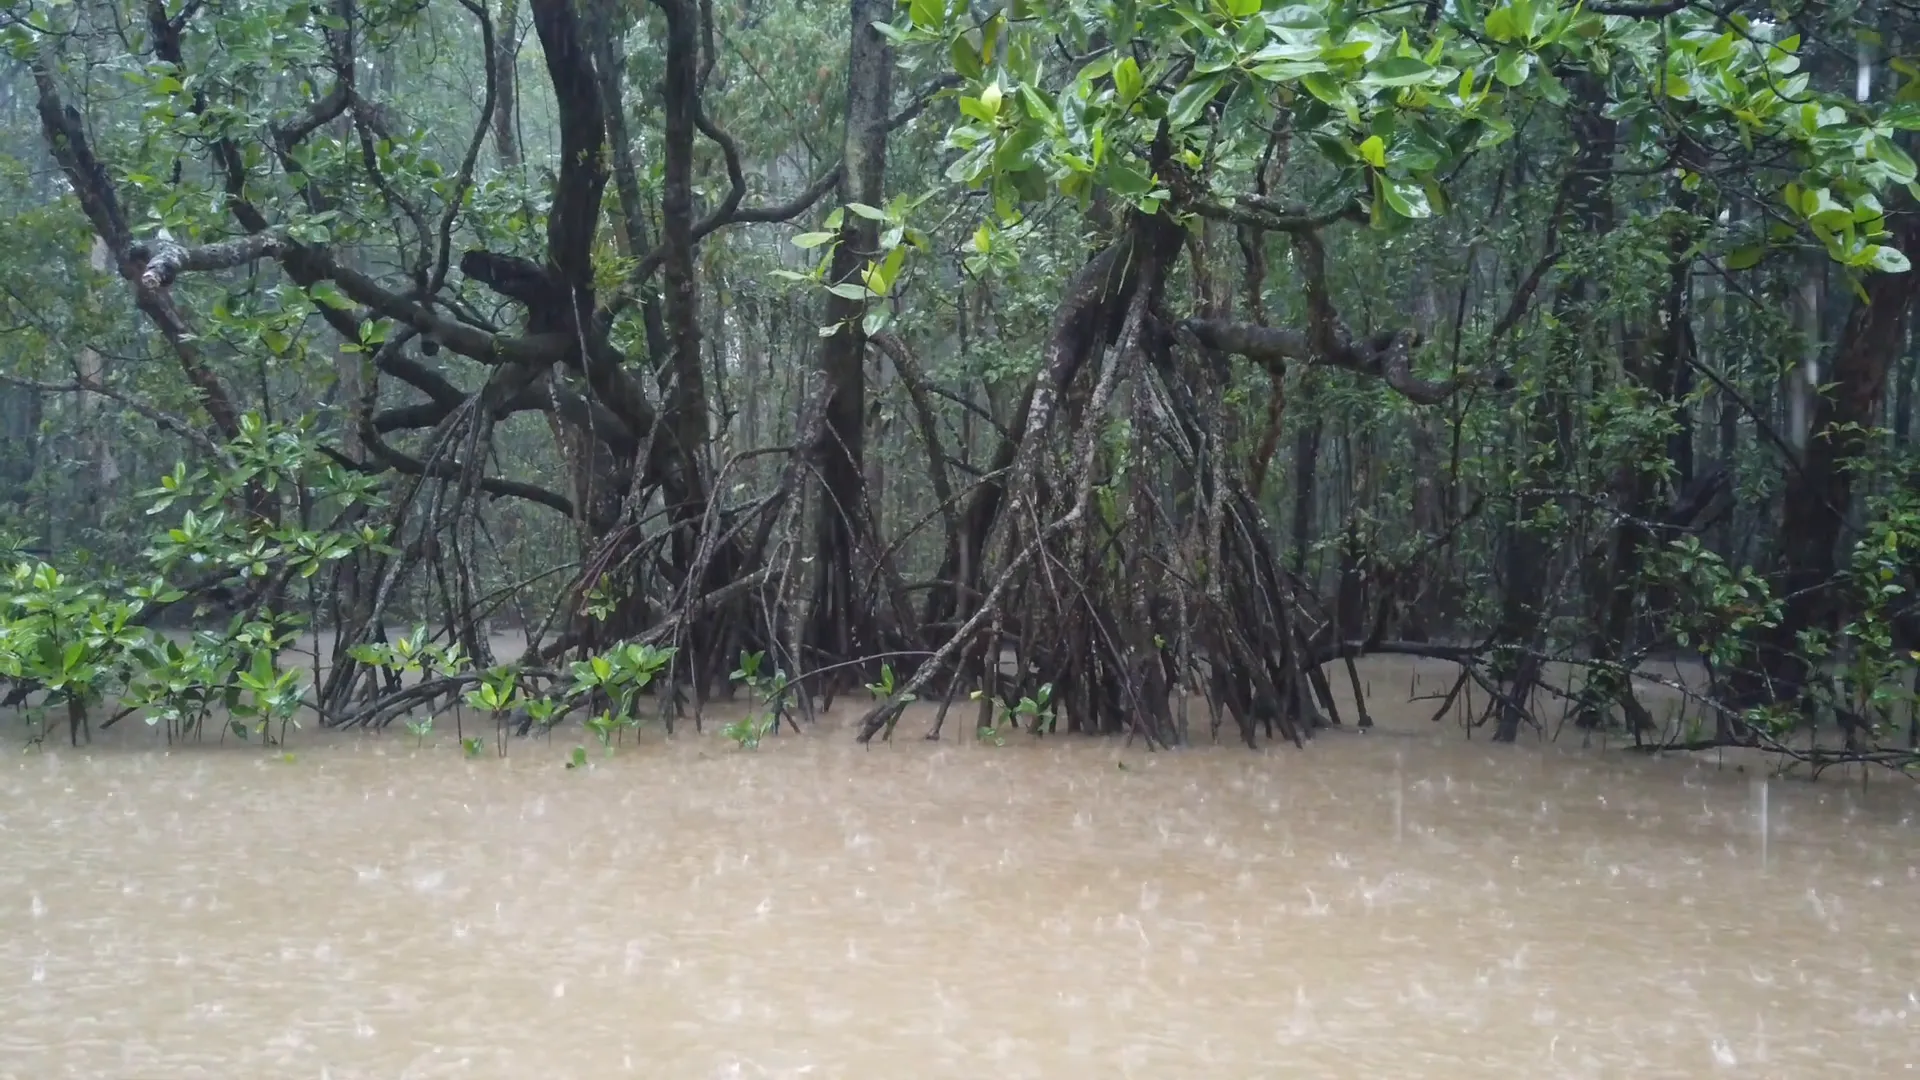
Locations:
1804 379
505 60
92 371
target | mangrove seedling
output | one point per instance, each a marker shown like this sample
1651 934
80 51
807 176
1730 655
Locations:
619 674
420 729
496 695
884 689
541 712
1031 712
768 694
604 726
265 694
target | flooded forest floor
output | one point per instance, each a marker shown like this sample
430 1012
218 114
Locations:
1410 902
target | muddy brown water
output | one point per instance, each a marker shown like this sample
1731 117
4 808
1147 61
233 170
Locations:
1403 904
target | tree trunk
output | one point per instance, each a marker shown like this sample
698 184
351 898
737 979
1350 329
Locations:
506 70
1306 461
1528 551
1816 498
842 611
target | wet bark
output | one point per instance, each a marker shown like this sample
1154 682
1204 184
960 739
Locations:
687 396
1817 495
1662 370
506 74
1526 551
843 610
1306 473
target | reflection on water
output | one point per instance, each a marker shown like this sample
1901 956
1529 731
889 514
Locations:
1406 904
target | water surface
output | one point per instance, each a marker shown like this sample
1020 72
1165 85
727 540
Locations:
1403 904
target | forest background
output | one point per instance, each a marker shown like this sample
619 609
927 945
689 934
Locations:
1090 359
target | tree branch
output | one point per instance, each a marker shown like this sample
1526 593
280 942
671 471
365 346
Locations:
1262 213
1641 11
1385 356
66 136
731 213
575 215
447 469
162 260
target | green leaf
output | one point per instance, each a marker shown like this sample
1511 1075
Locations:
868 212
808 240
1523 18
1888 260
966 60
1500 24
1323 86
1240 9
848 290
326 292
979 110
1288 70
1297 17
1036 104
1513 67
1126 79
927 14
1192 98
1717 51
1551 88
1895 159
1399 71
1406 198
1374 150
1747 257
1818 206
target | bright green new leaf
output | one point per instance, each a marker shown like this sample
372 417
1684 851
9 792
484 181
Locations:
1374 150
1126 79
1513 66
1717 51
1500 24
